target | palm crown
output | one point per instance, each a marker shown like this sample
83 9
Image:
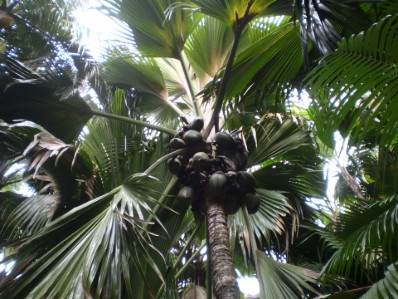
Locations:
108 219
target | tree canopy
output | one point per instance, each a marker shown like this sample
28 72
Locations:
186 152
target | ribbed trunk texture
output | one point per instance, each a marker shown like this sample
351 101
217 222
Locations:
224 277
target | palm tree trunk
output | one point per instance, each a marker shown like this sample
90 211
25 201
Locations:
224 277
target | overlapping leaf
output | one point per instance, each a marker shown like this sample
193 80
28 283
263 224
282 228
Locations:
232 12
206 56
361 83
110 226
275 58
365 238
155 34
386 287
279 280
271 139
40 103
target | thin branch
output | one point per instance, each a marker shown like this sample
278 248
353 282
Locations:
162 159
223 87
174 180
134 121
188 262
190 91
175 108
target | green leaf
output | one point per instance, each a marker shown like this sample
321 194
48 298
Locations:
273 209
361 83
91 240
206 56
279 280
271 139
155 33
40 104
363 234
135 72
275 58
387 287
234 13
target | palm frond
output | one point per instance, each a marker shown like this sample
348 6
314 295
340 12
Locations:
275 58
155 33
388 7
206 56
365 239
9 201
279 280
29 216
95 238
41 29
274 207
173 76
119 149
361 83
14 138
269 219
52 17
271 139
387 287
60 171
286 161
231 12
41 105
261 27
142 74
375 169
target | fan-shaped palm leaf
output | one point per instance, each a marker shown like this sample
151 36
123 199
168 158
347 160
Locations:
268 220
141 74
9 201
110 226
286 175
173 76
136 72
361 82
156 35
234 13
274 207
58 167
275 58
41 99
30 214
286 281
14 139
286 161
40 105
118 149
206 56
270 139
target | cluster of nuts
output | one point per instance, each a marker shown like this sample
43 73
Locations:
216 169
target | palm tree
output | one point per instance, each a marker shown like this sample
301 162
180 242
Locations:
111 213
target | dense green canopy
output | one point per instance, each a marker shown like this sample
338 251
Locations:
103 149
